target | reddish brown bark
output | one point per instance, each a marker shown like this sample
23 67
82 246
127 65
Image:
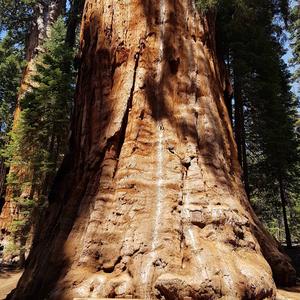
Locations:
149 201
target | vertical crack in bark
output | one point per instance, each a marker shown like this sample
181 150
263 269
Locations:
112 20
182 236
122 132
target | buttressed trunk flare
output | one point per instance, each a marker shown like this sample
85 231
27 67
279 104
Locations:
149 201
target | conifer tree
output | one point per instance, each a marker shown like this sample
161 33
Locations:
17 17
10 74
278 143
39 140
295 39
249 41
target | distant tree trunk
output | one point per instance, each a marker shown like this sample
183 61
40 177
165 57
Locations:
73 21
228 96
22 257
284 214
240 138
149 203
45 14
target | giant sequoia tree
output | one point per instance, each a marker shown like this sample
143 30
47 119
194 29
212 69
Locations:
149 201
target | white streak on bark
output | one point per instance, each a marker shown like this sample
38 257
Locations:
160 160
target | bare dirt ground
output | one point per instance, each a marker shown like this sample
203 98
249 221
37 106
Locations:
8 281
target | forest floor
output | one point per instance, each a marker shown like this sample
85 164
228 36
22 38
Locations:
8 280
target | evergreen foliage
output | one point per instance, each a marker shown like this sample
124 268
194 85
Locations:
17 17
249 37
39 140
205 5
10 74
295 39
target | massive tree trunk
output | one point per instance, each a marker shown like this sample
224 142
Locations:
149 202
45 14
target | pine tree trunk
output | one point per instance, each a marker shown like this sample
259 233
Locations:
149 203
46 13
284 214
